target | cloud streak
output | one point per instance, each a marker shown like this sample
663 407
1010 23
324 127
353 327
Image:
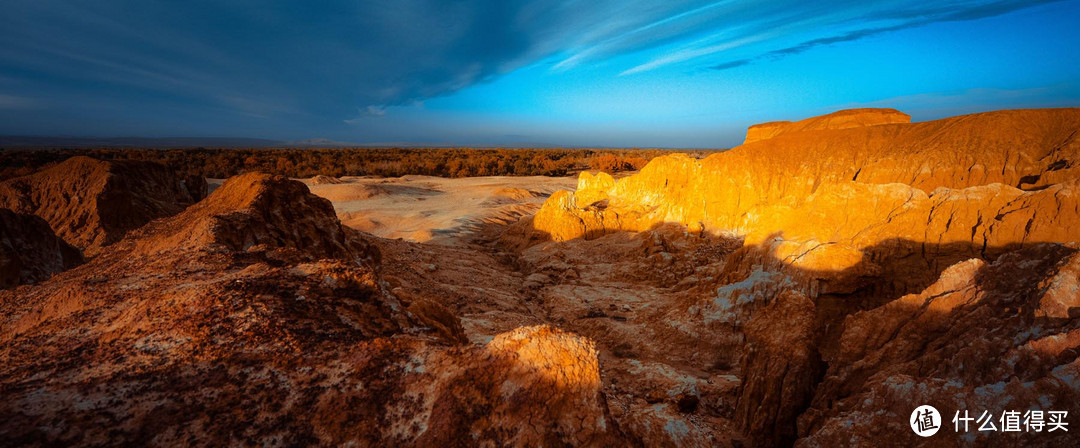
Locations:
914 18
255 64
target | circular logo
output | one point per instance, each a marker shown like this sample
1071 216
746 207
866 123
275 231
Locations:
925 421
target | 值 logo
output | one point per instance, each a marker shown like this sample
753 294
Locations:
925 420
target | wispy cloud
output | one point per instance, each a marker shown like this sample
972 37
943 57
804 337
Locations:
264 64
911 18
372 111
651 30
694 53
732 64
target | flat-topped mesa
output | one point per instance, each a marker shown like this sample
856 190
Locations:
844 119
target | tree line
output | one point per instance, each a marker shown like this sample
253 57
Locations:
386 162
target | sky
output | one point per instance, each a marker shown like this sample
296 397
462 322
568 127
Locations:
580 73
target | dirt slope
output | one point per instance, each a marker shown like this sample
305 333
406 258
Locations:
92 203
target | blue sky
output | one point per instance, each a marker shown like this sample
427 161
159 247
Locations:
505 73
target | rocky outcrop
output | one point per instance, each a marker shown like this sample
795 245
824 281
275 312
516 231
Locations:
534 386
29 251
92 203
253 317
844 119
883 265
991 337
782 367
252 210
323 180
871 196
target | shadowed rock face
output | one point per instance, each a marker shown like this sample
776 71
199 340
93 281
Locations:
782 354
29 251
91 203
255 318
986 336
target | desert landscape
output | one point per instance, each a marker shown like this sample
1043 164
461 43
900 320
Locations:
539 223
809 287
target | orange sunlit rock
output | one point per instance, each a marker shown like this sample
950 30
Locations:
858 188
845 119
807 289
907 263
257 308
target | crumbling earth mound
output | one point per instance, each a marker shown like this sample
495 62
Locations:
92 203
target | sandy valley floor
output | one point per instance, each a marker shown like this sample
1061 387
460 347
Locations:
433 209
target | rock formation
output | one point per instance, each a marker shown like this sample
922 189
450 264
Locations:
991 337
869 197
92 203
30 251
845 119
883 265
254 317
809 288
782 354
323 180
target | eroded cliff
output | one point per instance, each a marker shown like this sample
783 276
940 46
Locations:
883 265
